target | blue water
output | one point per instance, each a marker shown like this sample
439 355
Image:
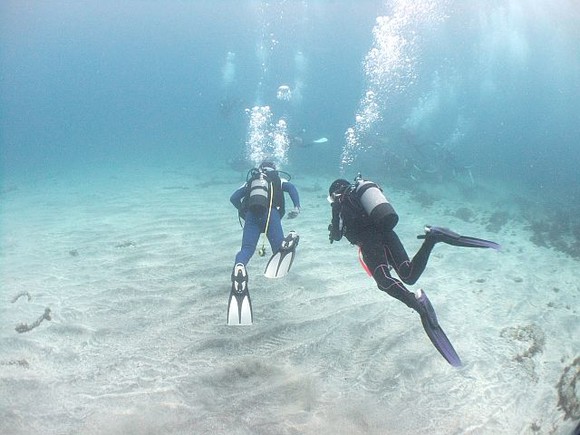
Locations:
85 83
484 95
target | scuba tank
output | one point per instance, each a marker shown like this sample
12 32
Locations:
259 196
374 203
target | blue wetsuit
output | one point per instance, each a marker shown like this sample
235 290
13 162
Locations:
255 223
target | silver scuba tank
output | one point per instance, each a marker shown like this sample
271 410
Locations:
374 203
259 198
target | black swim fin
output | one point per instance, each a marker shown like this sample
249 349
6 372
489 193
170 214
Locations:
434 331
445 235
280 263
240 305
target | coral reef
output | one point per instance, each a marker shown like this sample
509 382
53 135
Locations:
424 198
531 340
560 230
531 335
16 363
25 327
465 214
569 391
21 294
497 221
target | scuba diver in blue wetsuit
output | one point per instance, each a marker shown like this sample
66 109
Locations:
362 214
260 203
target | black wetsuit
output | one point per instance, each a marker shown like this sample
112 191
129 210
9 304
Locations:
380 249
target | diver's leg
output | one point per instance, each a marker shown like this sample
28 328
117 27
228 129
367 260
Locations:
408 270
375 257
275 231
252 230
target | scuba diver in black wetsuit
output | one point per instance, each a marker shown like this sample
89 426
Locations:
362 214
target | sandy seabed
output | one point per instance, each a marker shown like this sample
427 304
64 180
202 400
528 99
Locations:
134 267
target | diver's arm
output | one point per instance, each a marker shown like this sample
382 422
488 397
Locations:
293 192
237 196
335 227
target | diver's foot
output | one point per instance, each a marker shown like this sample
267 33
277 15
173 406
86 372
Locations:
445 235
239 278
434 331
426 309
440 234
290 241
